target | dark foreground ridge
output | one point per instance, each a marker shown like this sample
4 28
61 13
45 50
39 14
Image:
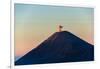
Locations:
60 47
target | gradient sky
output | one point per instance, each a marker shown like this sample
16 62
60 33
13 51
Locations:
35 23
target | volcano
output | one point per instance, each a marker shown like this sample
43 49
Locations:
60 47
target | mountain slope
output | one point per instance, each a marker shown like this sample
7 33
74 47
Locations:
60 47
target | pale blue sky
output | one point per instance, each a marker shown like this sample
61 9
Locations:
34 23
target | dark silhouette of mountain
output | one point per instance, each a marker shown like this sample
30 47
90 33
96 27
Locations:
60 47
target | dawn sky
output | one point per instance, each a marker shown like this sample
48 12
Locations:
35 23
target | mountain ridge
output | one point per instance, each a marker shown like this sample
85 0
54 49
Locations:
60 47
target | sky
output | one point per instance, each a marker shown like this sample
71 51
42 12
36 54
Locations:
35 23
